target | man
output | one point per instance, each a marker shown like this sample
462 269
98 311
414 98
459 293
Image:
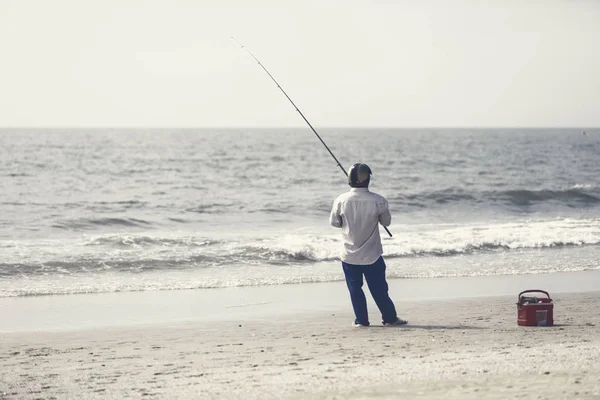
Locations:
359 212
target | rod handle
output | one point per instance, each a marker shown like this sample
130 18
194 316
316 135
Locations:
387 230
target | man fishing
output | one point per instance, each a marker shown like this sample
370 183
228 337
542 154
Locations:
359 212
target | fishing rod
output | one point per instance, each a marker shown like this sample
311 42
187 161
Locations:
300 112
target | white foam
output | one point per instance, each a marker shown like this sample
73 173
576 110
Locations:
180 260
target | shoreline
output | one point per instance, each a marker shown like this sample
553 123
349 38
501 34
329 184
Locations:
102 310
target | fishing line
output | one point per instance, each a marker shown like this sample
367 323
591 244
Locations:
300 112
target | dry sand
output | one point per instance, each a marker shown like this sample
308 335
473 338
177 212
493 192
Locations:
452 349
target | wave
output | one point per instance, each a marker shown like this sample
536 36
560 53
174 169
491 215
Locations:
17 174
472 248
270 256
244 255
91 223
279 255
118 283
528 197
216 208
125 205
141 241
575 196
144 263
141 253
444 196
98 266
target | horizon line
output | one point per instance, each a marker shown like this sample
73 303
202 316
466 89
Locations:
92 127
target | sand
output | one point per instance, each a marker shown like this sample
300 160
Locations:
453 348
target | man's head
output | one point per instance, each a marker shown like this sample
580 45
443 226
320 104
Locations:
359 175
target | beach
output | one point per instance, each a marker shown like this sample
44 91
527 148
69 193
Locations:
455 346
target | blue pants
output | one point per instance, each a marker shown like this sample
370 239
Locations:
375 276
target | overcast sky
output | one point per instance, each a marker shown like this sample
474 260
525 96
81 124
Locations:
395 63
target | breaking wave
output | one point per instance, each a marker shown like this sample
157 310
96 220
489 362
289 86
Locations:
129 253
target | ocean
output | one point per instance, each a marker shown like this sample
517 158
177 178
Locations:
109 210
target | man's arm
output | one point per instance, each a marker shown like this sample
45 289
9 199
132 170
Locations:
335 219
384 216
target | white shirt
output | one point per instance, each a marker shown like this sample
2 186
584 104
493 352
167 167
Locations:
359 212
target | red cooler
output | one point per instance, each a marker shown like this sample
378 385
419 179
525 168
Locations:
534 311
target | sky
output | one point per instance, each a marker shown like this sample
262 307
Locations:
346 63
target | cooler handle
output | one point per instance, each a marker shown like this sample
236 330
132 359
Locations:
533 290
